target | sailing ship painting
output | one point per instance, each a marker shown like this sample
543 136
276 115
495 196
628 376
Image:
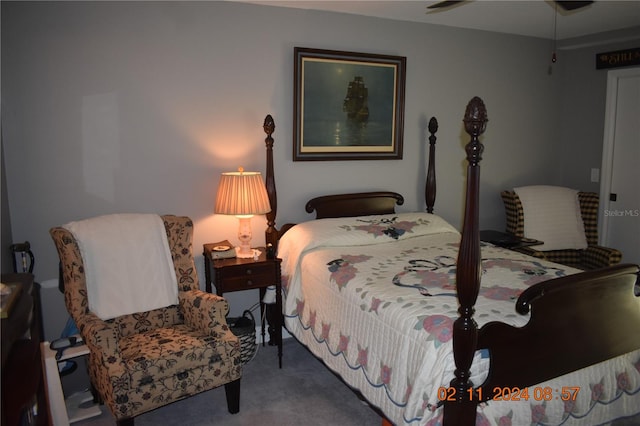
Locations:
356 102
347 106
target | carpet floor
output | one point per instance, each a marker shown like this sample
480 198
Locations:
303 392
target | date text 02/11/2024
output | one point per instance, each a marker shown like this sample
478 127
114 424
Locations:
566 393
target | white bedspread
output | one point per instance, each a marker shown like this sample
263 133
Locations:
374 297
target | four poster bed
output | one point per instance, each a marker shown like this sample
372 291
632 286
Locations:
393 303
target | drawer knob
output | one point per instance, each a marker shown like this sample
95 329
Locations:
248 271
249 282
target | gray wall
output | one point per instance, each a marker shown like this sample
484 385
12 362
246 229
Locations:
138 107
582 98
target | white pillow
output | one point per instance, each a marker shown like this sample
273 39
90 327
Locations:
127 263
552 214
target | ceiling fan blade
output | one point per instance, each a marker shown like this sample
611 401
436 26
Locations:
572 5
446 3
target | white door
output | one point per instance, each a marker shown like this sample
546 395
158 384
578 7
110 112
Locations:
620 185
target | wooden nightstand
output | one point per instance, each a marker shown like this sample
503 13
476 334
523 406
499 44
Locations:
21 332
509 241
237 274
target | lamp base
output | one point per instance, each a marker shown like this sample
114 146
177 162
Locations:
244 251
241 254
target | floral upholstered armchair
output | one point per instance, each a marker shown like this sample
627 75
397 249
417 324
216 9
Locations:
153 355
591 256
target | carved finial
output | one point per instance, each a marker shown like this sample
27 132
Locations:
269 125
475 117
433 125
475 123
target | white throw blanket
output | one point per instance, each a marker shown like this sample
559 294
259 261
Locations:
552 215
127 263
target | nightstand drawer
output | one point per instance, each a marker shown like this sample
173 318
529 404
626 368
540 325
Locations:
241 277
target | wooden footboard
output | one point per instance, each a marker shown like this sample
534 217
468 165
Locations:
576 321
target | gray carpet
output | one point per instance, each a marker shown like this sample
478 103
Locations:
303 392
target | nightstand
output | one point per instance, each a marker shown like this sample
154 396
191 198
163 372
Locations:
238 274
509 241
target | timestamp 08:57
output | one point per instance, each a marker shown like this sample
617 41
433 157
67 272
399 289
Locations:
538 393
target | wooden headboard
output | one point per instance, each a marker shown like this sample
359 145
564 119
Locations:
344 205
358 204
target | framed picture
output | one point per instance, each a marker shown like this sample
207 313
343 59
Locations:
347 105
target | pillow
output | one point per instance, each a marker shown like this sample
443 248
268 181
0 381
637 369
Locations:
127 263
552 215
357 231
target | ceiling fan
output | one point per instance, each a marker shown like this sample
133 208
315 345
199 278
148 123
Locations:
564 4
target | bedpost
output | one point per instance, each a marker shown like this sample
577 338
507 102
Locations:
469 268
430 188
271 233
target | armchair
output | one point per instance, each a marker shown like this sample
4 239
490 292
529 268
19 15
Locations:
145 359
592 257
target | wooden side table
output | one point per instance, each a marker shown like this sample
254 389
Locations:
238 274
509 241
21 332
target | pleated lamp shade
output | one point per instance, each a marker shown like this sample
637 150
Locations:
242 194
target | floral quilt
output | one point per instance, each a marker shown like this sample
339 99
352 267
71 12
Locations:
375 298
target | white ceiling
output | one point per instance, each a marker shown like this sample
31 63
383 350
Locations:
524 17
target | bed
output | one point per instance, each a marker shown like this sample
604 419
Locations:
432 326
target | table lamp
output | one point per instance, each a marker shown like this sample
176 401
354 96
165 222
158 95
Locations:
242 194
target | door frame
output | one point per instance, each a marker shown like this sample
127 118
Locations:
613 78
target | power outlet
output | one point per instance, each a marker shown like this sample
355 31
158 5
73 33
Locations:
595 175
